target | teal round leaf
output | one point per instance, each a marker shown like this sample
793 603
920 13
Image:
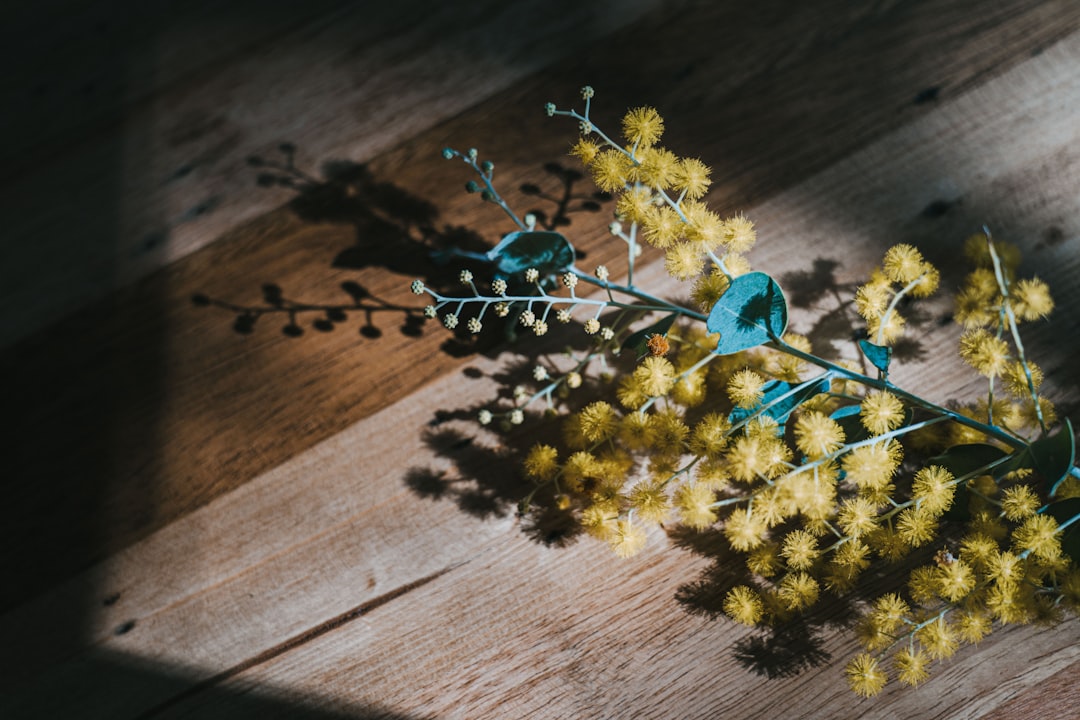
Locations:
548 252
751 312
779 399
1054 456
878 355
1063 511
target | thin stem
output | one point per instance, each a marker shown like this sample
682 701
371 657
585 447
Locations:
991 430
892 306
1010 316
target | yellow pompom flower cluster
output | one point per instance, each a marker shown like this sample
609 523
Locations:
980 300
990 306
816 474
660 194
877 300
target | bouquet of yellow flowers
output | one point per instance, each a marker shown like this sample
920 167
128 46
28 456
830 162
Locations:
813 470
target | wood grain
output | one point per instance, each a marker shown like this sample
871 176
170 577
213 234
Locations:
301 526
194 410
482 621
136 132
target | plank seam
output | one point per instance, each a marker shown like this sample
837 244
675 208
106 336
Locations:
296 641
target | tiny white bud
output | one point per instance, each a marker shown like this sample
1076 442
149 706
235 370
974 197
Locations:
472 153
430 312
475 325
569 280
417 287
530 220
615 228
532 275
527 318
573 380
450 321
498 286
549 108
465 277
563 316
540 327
502 309
517 417
521 393
587 92
602 273
540 373
586 127
592 326
448 153
607 333
484 417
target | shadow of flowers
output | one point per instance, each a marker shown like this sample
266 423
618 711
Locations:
393 230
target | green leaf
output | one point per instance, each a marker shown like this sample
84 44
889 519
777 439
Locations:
1054 456
878 355
637 341
964 459
752 311
1063 511
548 252
779 409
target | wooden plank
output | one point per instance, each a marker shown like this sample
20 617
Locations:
83 66
334 529
468 647
604 639
170 174
346 493
193 411
1057 693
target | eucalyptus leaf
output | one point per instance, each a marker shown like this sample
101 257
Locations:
638 341
548 252
1054 456
1063 511
964 459
752 311
878 355
776 405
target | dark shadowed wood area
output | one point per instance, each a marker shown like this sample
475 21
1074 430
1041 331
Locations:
241 478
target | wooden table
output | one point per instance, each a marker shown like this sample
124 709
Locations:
224 503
